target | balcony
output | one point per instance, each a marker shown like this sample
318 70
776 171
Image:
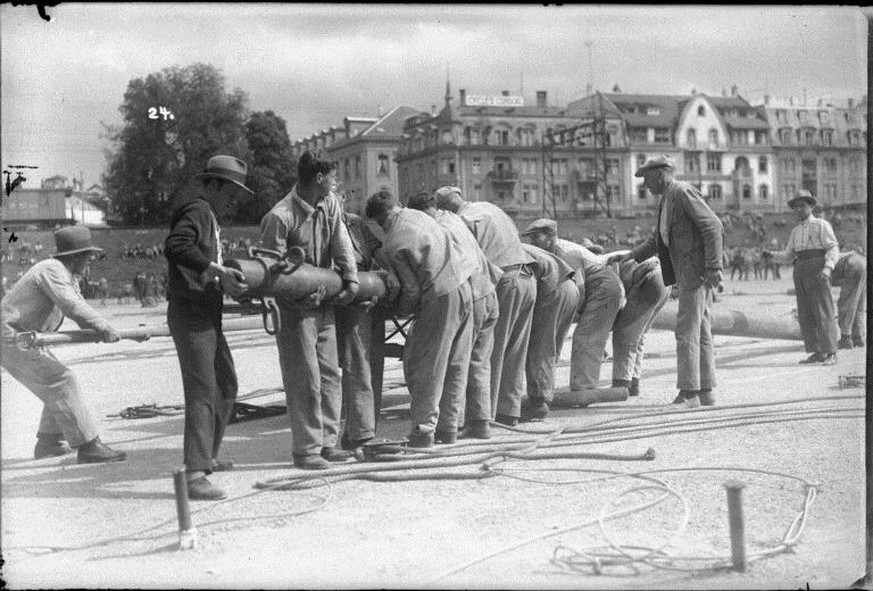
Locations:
502 175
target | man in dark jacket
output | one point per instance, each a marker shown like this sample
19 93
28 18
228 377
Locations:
688 242
197 282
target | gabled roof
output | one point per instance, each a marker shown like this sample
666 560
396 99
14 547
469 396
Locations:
669 105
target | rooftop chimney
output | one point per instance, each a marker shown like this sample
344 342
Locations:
791 101
504 92
541 98
723 91
379 111
433 110
851 103
463 97
734 90
766 100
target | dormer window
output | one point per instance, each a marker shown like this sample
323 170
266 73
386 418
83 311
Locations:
653 111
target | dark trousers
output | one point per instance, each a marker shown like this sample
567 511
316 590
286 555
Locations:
208 378
815 306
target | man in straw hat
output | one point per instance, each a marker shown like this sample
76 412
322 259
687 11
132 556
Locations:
688 240
38 302
197 283
813 248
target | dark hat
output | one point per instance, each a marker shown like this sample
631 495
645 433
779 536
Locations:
72 240
659 161
802 195
226 168
421 201
541 225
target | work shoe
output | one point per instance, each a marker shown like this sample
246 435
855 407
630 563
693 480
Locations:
95 452
687 397
507 420
830 359
200 489
311 462
418 439
706 398
446 436
480 429
845 342
533 409
50 445
222 465
634 389
814 358
858 342
331 454
351 445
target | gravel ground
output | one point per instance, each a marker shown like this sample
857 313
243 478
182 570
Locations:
114 526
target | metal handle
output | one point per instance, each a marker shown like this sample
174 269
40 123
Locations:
268 306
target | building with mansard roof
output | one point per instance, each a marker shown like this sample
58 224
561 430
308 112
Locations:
493 147
719 144
820 148
365 148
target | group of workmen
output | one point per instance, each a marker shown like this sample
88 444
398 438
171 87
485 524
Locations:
492 307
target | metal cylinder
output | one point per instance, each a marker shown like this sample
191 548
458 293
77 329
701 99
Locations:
736 323
737 527
303 280
569 398
183 510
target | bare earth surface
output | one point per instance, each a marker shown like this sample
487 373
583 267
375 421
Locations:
70 526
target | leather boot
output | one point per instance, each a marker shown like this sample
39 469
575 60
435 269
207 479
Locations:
480 430
845 342
50 445
200 489
448 436
634 389
533 409
96 452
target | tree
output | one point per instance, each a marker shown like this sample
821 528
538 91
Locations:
157 152
273 169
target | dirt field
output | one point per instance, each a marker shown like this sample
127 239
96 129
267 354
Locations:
114 526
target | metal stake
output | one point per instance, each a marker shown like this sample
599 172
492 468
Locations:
187 533
735 519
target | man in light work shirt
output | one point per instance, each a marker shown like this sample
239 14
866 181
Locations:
850 274
688 241
813 248
556 307
476 413
310 216
434 280
601 295
38 302
498 237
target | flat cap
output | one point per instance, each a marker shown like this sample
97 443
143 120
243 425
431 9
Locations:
659 161
542 225
802 195
447 190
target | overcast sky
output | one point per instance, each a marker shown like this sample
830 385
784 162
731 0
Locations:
315 64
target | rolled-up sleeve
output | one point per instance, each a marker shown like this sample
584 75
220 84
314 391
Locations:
274 233
410 292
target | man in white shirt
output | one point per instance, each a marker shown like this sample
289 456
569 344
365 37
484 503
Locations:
813 248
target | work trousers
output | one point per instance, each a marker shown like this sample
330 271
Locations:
436 359
478 405
603 292
311 377
354 332
208 379
695 357
516 298
64 411
644 301
852 303
815 305
552 318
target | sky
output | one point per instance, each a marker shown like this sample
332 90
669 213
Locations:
62 81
